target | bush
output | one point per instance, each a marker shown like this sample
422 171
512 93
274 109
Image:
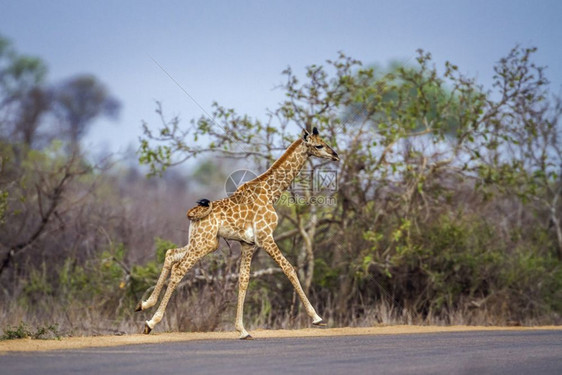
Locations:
23 331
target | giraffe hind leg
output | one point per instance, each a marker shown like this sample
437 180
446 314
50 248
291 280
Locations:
178 272
147 328
320 324
172 257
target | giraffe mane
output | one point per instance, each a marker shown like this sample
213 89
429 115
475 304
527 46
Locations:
281 160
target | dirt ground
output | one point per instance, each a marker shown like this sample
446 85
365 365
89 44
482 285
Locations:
154 338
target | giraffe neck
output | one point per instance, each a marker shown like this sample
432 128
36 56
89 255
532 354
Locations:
280 175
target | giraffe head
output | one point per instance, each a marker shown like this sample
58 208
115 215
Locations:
317 147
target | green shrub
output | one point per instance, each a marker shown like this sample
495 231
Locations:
23 331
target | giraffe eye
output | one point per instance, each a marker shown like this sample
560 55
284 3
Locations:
319 146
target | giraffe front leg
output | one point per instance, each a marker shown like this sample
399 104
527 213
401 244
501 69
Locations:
243 280
272 249
172 257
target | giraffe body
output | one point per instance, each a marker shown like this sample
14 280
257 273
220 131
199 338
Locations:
247 216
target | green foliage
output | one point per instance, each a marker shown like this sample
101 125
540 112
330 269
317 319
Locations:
18 73
144 277
534 281
442 184
407 99
38 283
23 331
104 281
324 276
162 246
5 157
448 205
3 205
442 264
19 332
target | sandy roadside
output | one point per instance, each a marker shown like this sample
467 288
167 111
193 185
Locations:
108 341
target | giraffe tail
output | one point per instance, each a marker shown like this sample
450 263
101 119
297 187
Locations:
203 209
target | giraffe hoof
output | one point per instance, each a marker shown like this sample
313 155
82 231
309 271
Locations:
147 328
320 324
139 307
249 337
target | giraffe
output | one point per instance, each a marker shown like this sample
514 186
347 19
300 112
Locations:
247 216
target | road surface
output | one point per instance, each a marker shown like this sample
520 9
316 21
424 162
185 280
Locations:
490 352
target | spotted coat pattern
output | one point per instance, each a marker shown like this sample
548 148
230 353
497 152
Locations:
247 216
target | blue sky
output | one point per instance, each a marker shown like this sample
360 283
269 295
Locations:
233 52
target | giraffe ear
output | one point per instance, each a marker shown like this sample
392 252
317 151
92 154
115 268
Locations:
314 131
305 135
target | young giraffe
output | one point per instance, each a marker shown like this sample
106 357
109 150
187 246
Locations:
247 216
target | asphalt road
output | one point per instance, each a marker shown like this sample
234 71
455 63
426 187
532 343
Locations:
525 352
